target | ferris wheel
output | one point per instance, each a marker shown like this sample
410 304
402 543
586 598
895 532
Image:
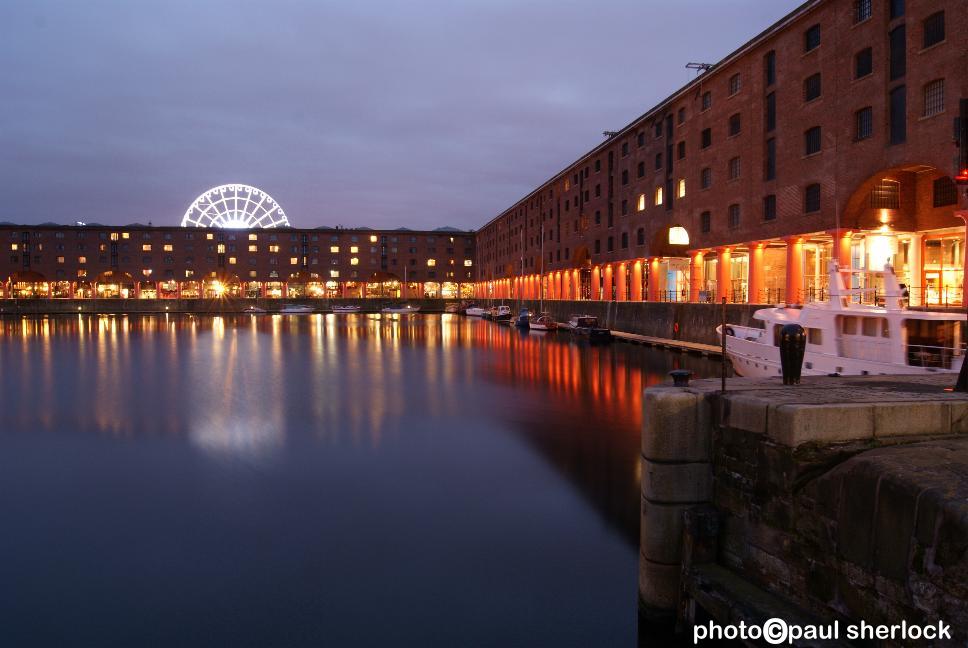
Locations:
235 206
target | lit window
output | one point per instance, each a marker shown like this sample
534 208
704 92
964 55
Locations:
82 273
125 235
209 236
253 248
221 248
231 260
334 274
658 195
82 259
641 203
114 236
354 261
273 248
293 260
468 263
334 249
431 262
13 246
168 247
354 249
373 238
253 237
682 187
60 259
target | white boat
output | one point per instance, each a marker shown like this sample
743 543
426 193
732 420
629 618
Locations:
849 338
501 313
544 322
402 309
344 310
254 310
474 311
451 308
295 309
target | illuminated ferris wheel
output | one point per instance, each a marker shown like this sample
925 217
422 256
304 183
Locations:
235 206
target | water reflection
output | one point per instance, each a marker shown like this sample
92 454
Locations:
444 454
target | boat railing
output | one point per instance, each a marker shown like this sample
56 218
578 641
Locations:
937 357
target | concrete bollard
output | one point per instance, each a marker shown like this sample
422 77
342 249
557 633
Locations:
676 475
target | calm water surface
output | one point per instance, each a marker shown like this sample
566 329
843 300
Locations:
318 480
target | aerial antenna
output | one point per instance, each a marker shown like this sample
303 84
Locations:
699 67
610 134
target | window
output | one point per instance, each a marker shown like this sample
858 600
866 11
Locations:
705 222
733 215
354 249
933 29
611 244
253 237
898 52
625 177
146 247
293 260
811 38
898 117
862 10
625 210
598 246
769 68
640 171
640 236
681 115
811 140
770 112
658 129
769 164
598 166
705 178
734 124
863 63
431 263
864 123
658 195
897 8
273 248
933 98
734 84
681 191
625 240
811 199
769 207
945 192
168 247
734 168
681 150
811 87
640 140
707 100
658 161
640 204
706 139
886 194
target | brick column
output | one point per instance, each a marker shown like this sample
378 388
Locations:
637 281
755 284
695 276
723 274
794 270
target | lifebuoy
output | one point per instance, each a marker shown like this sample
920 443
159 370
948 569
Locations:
729 331
675 327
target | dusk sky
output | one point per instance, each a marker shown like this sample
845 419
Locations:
379 114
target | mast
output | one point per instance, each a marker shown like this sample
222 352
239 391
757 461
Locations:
541 272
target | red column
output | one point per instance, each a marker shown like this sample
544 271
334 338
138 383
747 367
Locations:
723 282
756 285
608 293
637 280
654 279
596 283
695 276
621 283
794 270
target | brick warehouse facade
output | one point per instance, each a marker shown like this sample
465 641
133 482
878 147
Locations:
827 136
177 262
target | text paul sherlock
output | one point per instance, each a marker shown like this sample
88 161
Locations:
777 631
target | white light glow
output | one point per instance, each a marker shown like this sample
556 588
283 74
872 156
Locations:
237 207
678 236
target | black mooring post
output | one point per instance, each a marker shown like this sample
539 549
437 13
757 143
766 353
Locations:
962 384
722 341
793 342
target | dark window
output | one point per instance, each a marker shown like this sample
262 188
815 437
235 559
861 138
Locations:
863 63
811 87
734 168
897 8
625 240
769 207
769 168
658 161
734 124
707 100
733 216
811 198
862 10
598 217
734 84
898 52
640 170
945 192
933 98
898 101
681 150
598 246
705 221
658 128
934 29
625 177
811 139
611 243
640 236
625 208
706 138
706 178
886 194
681 116
598 188
864 123
770 112
811 38
769 68
625 148
641 139
598 166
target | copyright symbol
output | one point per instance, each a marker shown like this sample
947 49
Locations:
775 631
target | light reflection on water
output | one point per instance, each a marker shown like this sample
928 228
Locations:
424 479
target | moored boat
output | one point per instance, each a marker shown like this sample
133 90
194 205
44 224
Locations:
452 308
501 313
253 310
544 322
295 309
346 309
474 311
846 337
402 309
588 326
523 320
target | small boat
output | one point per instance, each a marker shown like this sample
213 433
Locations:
523 319
501 314
451 308
544 322
402 309
849 338
345 310
253 310
587 325
474 311
295 309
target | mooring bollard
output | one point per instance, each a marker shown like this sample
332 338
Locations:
680 377
793 343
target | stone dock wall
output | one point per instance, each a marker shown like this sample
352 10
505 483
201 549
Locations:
197 306
842 498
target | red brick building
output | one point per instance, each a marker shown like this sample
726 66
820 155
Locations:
827 136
